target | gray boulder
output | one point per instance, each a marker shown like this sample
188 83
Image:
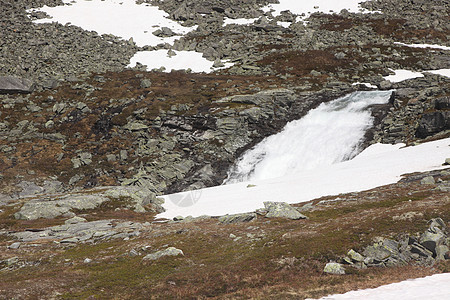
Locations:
237 218
11 84
282 210
171 251
428 180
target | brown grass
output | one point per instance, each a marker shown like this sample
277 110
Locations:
274 258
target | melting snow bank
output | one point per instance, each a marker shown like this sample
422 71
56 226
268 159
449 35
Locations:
376 166
401 75
442 72
328 134
435 287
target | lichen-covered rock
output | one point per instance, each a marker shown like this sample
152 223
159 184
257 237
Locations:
355 256
334 268
282 210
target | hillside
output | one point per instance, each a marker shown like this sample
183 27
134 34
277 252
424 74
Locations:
95 128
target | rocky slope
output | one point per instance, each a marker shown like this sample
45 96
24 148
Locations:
83 135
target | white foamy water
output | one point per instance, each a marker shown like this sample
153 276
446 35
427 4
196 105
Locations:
329 134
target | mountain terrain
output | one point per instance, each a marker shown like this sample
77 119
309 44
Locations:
89 143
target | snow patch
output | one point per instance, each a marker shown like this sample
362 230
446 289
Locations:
401 75
240 21
123 18
435 287
182 60
424 46
442 72
306 8
369 85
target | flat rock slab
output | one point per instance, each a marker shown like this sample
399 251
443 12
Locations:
81 232
171 251
282 210
11 84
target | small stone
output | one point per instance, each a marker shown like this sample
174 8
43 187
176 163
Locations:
171 251
447 161
218 63
355 255
49 124
111 157
75 220
87 260
178 218
123 155
145 83
15 245
428 180
11 261
334 268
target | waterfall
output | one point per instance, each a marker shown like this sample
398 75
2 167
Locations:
328 134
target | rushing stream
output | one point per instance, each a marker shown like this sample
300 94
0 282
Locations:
329 134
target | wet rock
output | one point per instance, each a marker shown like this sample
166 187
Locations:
171 251
282 210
